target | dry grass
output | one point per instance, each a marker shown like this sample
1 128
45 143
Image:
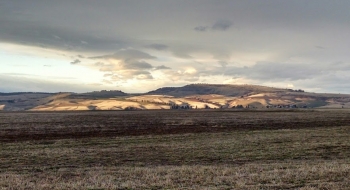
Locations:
287 175
303 158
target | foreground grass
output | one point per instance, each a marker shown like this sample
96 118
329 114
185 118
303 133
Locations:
316 158
286 175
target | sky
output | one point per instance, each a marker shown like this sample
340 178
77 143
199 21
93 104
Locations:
138 46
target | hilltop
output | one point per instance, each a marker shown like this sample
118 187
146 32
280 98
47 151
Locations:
195 96
219 89
100 94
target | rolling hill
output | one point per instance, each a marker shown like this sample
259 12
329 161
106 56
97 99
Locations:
204 89
190 96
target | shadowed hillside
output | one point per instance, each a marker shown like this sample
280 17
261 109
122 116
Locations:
204 89
100 94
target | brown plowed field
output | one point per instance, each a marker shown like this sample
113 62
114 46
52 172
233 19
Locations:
176 149
19 126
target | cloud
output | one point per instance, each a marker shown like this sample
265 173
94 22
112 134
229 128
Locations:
319 47
137 65
144 76
189 74
223 63
130 74
54 37
268 71
126 54
275 72
201 28
123 65
108 75
221 25
107 81
158 47
162 67
77 61
98 64
181 54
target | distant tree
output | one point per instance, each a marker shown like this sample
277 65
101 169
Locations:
239 106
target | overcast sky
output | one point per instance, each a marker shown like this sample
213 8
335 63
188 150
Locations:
137 46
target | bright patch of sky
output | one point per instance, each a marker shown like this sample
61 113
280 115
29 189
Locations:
30 66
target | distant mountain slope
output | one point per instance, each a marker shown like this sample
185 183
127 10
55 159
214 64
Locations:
27 100
99 94
205 89
190 96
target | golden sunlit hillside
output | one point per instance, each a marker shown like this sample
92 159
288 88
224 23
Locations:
194 96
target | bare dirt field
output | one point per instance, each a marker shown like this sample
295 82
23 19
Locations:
171 149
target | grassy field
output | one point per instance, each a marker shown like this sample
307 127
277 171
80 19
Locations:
175 150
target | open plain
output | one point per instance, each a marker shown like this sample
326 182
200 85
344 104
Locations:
176 149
